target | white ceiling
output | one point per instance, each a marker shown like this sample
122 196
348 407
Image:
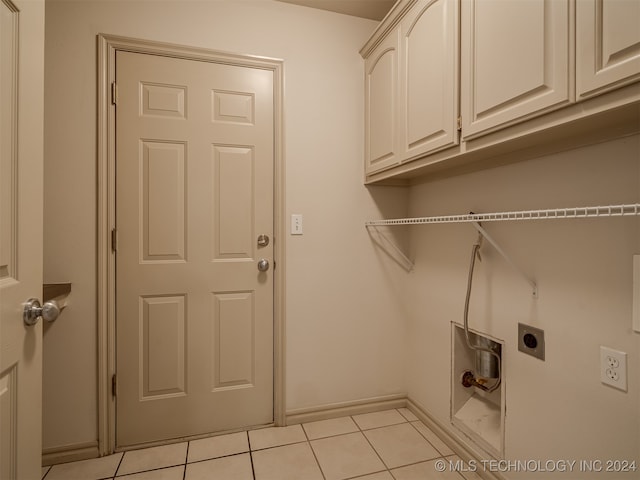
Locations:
373 9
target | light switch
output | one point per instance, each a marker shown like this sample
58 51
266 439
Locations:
296 224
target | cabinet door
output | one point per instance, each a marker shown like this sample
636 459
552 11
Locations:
608 45
515 61
381 121
429 78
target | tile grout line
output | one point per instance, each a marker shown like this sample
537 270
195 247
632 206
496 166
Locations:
313 452
115 474
371 445
186 461
253 470
388 469
208 459
154 469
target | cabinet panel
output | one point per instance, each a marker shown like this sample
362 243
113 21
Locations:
515 61
608 45
381 71
429 79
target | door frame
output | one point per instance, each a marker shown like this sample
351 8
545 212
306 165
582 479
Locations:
108 45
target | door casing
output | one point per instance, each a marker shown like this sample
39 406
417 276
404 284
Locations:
108 45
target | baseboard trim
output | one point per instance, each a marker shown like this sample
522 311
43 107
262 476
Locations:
465 452
70 453
343 409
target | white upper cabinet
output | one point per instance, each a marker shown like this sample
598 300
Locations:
429 78
411 85
515 61
607 45
454 82
381 117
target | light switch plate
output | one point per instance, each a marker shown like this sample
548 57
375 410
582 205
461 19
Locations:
296 224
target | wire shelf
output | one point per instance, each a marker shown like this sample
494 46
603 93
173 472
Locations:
547 214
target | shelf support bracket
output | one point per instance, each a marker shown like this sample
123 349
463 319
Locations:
488 237
399 256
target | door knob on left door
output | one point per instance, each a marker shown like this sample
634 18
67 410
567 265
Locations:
33 311
263 265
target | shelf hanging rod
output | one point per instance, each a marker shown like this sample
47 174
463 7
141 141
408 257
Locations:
548 214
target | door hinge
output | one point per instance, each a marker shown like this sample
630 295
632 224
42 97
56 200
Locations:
114 386
114 93
114 240
459 124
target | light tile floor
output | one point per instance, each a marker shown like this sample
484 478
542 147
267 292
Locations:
387 445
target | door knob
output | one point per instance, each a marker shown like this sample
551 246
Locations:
263 265
33 311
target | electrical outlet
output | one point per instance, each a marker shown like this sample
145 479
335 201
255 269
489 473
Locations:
531 340
613 368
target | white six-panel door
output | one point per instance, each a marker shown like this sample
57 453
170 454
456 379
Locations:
21 184
194 190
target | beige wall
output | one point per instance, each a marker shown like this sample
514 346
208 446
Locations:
344 335
353 315
556 409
